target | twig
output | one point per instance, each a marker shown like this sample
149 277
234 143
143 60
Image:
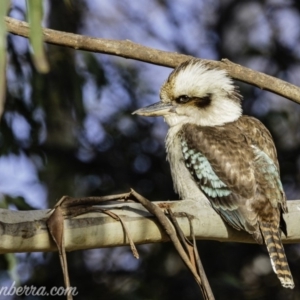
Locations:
127 232
194 256
201 271
128 49
67 201
55 224
164 221
68 207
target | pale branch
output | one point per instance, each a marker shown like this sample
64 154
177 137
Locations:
129 49
26 231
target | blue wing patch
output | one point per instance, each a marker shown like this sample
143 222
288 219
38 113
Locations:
222 199
200 167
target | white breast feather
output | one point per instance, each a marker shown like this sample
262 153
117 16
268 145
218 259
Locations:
184 183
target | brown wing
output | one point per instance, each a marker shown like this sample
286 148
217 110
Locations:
224 172
243 158
260 136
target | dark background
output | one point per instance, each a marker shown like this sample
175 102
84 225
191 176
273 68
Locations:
71 132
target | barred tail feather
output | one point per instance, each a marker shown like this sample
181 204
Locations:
277 254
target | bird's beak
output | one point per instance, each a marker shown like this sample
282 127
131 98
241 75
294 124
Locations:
154 110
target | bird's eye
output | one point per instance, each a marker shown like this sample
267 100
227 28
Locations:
182 99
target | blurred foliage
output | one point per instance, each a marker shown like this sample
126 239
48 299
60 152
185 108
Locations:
71 131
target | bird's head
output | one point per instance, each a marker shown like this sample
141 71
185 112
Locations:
196 93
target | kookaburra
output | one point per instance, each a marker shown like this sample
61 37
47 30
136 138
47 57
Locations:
230 158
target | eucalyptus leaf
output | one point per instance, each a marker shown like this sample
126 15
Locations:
35 16
4 5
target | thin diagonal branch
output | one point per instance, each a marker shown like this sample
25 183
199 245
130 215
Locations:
128 49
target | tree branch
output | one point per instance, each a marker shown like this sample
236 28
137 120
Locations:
128 49
26 231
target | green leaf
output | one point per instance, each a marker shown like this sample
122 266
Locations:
35 16
4 5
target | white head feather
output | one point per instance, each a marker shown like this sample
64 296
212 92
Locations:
196 79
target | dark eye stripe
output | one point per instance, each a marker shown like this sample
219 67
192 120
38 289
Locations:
197 101
204 101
